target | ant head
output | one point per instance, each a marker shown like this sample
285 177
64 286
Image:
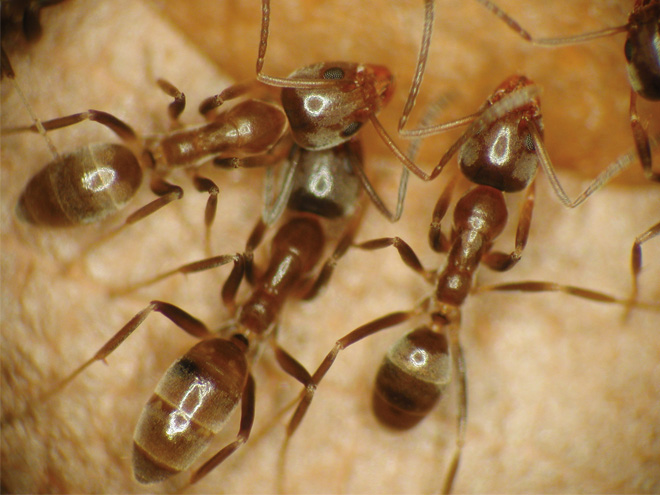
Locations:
324 117
641 50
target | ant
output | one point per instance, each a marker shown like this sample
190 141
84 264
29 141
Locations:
200 391
92 182
640 34
418 367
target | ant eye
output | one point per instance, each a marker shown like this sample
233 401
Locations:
529 142
351 129
333 73
628 49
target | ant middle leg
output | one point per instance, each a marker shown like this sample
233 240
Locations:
636 261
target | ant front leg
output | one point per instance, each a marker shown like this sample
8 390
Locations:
208 106
120 128
406 253
205 185
174 109
500 261
437 239
197 266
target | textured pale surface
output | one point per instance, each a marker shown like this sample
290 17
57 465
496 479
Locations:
563 396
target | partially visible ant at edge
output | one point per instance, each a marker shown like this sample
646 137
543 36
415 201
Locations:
200 391
418 367
644 72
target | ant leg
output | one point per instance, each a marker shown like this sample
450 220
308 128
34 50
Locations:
179 317
273 208
196 266
642 144
247 420
271 157
355 157
204 185
208 105
603 178
356 335
231 285
501 262
167 193
636 261
437 239
290 365
344 243
255 238
174 109
406 253
458 359
123 130
535 286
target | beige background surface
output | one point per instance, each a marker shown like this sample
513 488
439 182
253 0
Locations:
562 395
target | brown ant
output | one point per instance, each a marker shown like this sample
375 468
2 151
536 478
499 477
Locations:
418 367
644 71
200 391
92 182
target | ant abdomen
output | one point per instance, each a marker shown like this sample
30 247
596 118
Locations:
191 404
412 378
81 187
326 183
325 117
